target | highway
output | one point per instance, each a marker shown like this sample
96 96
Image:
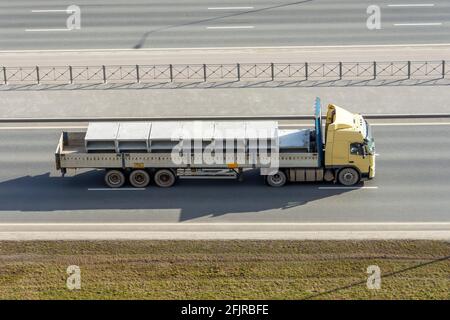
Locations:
41 25
412 186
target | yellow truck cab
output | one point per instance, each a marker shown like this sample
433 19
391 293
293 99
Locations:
349 147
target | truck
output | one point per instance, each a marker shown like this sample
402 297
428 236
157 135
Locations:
161 152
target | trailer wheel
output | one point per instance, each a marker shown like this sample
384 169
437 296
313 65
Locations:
348 176
139 178
114 178
165 178
277 180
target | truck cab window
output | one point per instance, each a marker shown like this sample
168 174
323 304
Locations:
356 149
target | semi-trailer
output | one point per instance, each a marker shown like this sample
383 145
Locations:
341 151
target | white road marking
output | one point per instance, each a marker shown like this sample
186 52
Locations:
47 30
377 154
424 24
230 8
281 126
289 126
48 10
231 27
412 5
42 128
412 124
442 235
349 188
224 230
116 189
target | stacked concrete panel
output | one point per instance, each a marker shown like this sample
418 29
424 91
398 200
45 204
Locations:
101 137
133 136
163 136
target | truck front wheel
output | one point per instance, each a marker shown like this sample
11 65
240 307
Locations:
277 180
139 178
165 178
114 178
348 177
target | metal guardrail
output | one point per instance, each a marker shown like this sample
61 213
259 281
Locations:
401 70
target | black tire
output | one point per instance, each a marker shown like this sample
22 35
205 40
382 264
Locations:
348 177
114 178
139 178
165 178
276 180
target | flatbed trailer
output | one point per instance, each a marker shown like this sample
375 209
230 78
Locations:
163 151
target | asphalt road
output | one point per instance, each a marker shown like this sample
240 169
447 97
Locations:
413 183
28 24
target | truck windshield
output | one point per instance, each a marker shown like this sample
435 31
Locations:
369 141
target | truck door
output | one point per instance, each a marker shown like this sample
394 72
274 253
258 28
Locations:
357 157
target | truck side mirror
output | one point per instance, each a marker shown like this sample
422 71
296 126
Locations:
363 153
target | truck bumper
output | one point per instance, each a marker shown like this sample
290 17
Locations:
368 175
371 172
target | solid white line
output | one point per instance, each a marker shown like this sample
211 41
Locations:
116 189
226 224
412 124
417 24
41 128
49 10
377 124
47 30
362 46
281 126
442 235
331 188
232 27
229 8
412 5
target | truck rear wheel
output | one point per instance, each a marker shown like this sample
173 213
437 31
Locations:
277 180
139 178
348 176
165 178
114 178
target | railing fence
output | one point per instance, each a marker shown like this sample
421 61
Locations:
407 70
